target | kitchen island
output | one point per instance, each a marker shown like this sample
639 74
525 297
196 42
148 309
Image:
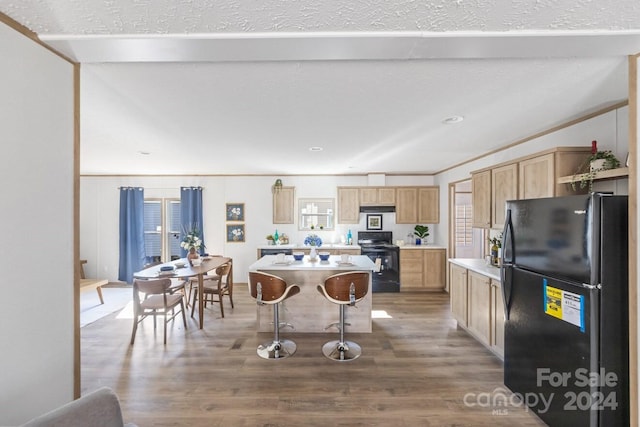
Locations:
309 311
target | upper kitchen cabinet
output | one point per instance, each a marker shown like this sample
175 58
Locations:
348 205
283 206
417 205
428 205
377 196
535 176
504 186
548 168
481 192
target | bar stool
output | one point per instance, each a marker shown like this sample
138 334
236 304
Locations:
272 290
344 289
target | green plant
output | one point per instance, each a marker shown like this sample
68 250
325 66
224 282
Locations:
585 174
421 231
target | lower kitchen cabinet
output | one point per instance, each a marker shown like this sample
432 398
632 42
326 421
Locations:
479 303
476 304
458 293
497 315
422 269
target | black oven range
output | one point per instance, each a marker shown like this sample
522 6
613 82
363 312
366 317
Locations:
379 247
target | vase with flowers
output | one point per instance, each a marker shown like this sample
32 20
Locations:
192 243
315 242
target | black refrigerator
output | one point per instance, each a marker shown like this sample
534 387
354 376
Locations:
565 282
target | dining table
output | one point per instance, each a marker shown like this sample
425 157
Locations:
183 269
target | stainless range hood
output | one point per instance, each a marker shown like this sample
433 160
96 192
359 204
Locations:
377 209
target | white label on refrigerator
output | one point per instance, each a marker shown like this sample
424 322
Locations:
564 305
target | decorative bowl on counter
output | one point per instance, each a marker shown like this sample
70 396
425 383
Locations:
324 256
298 256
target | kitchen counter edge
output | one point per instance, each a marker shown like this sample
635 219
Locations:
295 246
421 247
477 265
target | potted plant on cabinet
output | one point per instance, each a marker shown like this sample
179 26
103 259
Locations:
597 161
420 231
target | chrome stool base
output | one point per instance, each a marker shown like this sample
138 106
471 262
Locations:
277 349
341 351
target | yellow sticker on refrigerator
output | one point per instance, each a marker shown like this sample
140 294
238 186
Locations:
564 305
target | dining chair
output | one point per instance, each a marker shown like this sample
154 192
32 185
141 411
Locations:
158 300
177 285
219 283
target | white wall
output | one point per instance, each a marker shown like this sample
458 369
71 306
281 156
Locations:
611 130
36 248
99 207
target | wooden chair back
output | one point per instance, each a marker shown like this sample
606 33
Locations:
338 286
271 287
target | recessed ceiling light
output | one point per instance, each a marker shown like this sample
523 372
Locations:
453 119
144 153
315 149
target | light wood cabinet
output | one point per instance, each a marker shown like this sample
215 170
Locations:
479 322
283 206
539 175
428 205
348 205
497 318
411 266
418 205
414 205
377 196
458 293
536 177
481 194
406 205
504 186
476 303
422 269
434 276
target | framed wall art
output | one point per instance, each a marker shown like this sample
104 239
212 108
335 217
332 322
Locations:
374 221
235 233
235 211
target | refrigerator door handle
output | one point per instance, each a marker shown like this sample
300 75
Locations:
506 288
508 256
508 241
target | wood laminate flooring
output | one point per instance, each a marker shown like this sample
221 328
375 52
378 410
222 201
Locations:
417 369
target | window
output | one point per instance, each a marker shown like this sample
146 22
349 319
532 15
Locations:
316 214
464 236
159 215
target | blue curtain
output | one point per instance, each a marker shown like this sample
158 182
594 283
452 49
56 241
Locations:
191 213
132 251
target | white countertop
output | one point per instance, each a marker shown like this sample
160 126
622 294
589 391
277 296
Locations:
477 265
421 247
297 246
358 263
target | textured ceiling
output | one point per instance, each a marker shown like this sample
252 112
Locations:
233 87
206 16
